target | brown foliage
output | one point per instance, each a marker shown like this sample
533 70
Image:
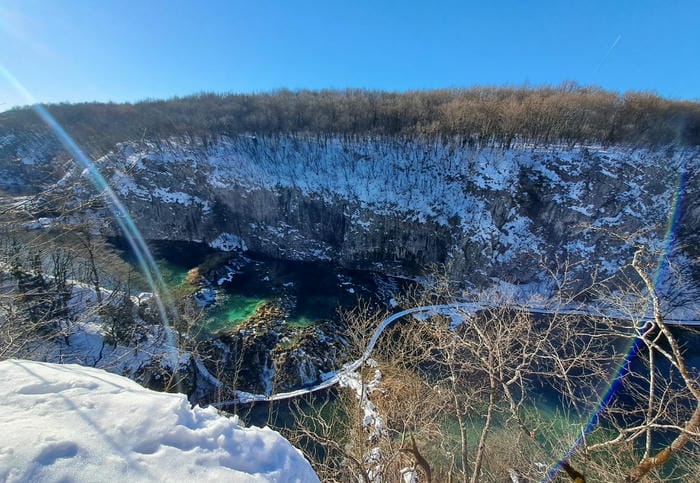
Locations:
567 113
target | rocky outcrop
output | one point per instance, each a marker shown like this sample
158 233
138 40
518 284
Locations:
30 162
266 354
301 357
401 204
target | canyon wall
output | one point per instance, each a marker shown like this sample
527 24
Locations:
402 204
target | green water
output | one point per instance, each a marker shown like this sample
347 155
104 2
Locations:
317 289
301 322
235 309
232 308
230 311
172 274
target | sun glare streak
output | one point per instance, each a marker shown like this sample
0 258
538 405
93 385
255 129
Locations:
636 344
121 215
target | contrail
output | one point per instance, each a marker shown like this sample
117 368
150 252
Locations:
619 37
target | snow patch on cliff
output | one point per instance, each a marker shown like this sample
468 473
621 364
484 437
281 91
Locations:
228 242
482 195
167 196
125 185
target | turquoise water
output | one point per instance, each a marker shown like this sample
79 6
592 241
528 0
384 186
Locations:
172 274
316 290
231 311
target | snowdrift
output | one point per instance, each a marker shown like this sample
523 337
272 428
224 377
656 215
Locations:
74 423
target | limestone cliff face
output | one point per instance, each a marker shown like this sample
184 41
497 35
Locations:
401 204
30 162
286 223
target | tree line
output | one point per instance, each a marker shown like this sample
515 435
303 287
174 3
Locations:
567 113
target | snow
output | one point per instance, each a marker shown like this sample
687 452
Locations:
124 185
421 180
7 140
206 374
205 297
84 342
372 421
167 196
39 224
514 235
584 210
228 242
73 423
409 475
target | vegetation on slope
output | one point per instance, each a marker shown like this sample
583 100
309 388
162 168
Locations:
563 114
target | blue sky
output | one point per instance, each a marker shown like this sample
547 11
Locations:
128 50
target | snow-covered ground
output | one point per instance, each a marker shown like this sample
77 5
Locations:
85 341
372 422
73 423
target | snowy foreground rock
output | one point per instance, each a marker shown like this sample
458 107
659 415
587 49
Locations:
73 423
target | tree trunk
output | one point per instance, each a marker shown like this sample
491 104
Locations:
485 431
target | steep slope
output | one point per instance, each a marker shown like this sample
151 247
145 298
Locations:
402 203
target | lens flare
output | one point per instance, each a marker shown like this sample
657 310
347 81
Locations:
129 229
661 270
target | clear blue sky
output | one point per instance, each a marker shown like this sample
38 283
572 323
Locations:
82 50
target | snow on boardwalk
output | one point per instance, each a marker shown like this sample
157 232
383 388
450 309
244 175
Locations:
424 311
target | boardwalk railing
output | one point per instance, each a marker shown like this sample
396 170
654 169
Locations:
427 310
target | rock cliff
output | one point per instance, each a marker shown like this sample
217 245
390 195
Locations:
398 204
401 204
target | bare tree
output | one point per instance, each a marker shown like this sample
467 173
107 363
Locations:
498 392
656 420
